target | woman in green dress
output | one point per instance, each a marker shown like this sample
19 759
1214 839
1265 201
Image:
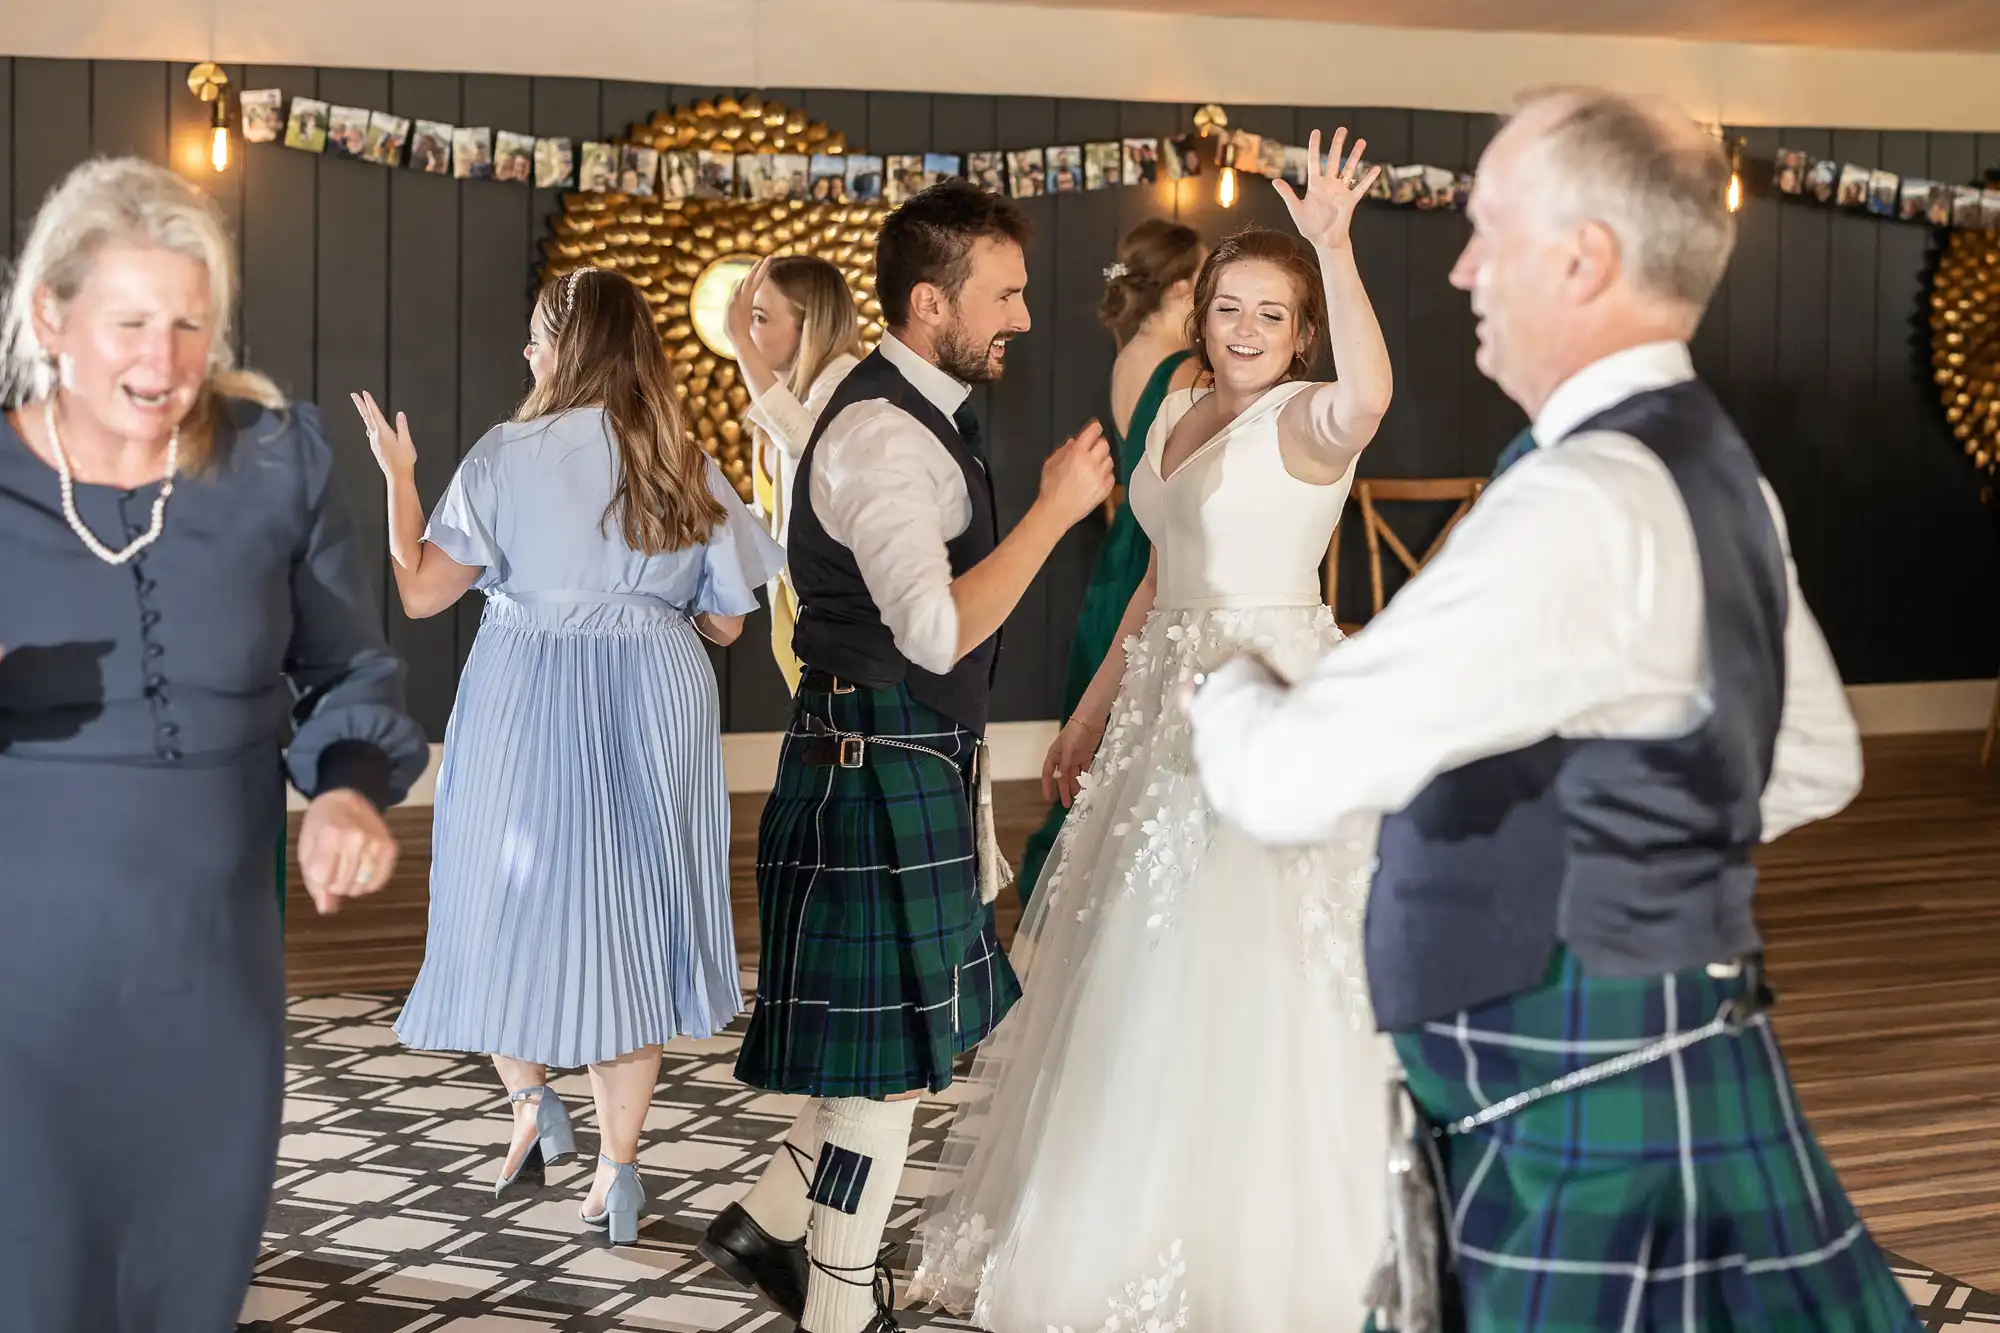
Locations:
1148 295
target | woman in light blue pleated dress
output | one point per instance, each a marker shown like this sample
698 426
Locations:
580 852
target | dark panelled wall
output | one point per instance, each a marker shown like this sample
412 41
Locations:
419 288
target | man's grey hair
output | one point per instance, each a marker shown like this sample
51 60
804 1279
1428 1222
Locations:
1645 170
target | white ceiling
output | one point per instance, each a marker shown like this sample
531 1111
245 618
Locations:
1908 25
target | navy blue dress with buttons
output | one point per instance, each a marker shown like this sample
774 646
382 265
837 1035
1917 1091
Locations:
149 713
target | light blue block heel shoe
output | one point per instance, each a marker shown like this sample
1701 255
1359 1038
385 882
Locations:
553 1139
622 1203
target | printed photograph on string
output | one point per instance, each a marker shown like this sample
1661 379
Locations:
1884 193
1937 211
1822 180
1027 173
1142 161
1271 158
305 130
430 150
386 136
1788 171
1407 184
1065 169
1249 151
554 164
753 176
680 171
1103 165
1853 191
942 167
1989 208
347 131
472 153
1965 207
639 169
864 177
988 171
1914 202
1384 187
597 168
1184 153
513 157
829 178
791 175
902 176
1294 173
716 175
263 112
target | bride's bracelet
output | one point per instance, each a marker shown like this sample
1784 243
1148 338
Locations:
1088 726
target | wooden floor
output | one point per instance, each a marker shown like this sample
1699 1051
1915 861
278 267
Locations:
1884 935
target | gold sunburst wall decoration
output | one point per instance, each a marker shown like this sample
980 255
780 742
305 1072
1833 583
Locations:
1965 342
687 255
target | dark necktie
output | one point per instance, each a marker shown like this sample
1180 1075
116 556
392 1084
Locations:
1517 449
967 422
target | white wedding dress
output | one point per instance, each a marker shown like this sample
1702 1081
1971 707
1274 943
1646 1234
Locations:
1181 1125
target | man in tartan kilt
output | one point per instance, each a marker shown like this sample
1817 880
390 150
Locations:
879 963
1577 723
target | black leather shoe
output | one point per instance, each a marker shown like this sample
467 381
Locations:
748 1253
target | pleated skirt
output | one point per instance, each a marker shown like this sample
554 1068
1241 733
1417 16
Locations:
580 845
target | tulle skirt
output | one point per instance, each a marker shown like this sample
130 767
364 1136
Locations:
1183 1120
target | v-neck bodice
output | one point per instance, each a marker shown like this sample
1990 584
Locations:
1232 527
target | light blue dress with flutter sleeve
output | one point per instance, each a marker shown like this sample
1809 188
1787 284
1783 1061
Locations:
580 852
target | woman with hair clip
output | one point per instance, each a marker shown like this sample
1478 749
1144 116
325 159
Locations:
185 621
793 325
580 859
1148 293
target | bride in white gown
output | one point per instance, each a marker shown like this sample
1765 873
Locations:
1181 1124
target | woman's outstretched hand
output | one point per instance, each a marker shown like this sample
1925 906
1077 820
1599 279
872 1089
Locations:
1326 212
394 451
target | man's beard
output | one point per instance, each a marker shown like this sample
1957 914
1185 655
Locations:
959 357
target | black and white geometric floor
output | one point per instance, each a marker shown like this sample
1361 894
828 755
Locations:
385 1221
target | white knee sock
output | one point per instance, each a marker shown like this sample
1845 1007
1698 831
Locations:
862 1147
777 1202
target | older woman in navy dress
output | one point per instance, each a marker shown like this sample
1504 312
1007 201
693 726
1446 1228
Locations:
580 859
181 588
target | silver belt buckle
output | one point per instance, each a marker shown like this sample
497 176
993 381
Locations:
852 748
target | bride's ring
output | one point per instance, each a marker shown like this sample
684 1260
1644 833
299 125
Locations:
364 874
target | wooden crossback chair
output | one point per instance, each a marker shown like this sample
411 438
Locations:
1371 494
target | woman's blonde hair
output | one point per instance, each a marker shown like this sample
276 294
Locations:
828 326
124 201
608 356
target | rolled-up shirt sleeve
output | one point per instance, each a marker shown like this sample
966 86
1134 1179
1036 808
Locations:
1816 769
884 488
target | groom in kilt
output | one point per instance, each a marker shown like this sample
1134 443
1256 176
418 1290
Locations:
1577 724
879 963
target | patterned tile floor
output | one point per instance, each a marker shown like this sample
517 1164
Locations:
385 1221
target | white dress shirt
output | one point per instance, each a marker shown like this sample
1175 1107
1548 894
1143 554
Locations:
788 423
887 490
1567 603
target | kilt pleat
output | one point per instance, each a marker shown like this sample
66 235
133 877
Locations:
1686 1195
880 966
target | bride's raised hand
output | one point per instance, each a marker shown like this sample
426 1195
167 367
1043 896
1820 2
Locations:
1326 212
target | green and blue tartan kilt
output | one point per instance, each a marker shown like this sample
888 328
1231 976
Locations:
879 963
1685 1195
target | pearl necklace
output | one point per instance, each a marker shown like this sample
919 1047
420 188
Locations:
98 548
